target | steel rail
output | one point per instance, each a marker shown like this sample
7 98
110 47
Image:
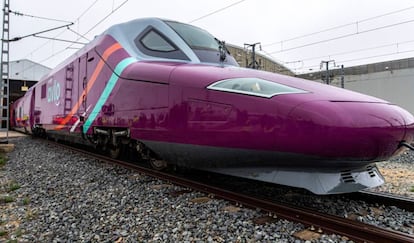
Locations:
386 199
354 230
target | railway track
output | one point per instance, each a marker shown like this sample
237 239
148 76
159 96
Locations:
329 224
384 198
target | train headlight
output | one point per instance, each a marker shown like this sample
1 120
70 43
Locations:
254 86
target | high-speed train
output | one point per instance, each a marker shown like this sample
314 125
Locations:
174 94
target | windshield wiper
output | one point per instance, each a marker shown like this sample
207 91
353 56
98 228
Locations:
222 50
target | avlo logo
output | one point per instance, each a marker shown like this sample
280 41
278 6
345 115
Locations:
53 93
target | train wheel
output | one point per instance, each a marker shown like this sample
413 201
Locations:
158 164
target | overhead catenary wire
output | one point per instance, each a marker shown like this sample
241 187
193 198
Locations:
86 10
57 39
105 17
204 16
59 34
397 44
301 62
358 59
339 26
344 36
70 46
76 33
114 9
357 32
215 11
375 56
44 44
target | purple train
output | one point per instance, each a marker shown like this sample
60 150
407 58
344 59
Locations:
172 92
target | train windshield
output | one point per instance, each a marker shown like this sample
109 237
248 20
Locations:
195 37
205 46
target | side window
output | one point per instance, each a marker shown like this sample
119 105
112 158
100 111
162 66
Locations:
153 43
43 92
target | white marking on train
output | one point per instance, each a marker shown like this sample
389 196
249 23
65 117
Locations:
75 125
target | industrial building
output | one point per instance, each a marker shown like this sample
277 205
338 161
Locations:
391 80
24 74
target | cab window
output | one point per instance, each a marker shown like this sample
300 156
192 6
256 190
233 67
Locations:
153 43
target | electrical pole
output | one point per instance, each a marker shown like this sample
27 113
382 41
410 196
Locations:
4 84
327 77
342 77
254 64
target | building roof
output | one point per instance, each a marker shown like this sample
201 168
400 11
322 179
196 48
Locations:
27 70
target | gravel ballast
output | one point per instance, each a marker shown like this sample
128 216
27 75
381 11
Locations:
63 196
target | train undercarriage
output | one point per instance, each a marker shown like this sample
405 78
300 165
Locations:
116 143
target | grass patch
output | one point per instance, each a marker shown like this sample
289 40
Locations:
412 189
7 199
26 201
13 186
3 232
2 160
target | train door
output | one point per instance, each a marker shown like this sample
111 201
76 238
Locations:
87 68
82 82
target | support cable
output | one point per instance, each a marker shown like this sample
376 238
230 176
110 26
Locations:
38 17
40 32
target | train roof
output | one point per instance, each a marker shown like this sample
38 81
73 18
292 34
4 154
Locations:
155 39
166 40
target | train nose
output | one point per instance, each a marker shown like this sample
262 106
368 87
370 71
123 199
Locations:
409 125
351 130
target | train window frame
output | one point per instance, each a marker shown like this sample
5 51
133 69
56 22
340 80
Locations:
174 53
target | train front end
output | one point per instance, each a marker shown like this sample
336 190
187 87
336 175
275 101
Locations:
296 132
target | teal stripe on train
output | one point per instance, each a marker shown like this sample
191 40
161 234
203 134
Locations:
107 91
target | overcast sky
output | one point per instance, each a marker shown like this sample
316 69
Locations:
372 31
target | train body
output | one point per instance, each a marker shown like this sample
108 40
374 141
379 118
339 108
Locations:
171 91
